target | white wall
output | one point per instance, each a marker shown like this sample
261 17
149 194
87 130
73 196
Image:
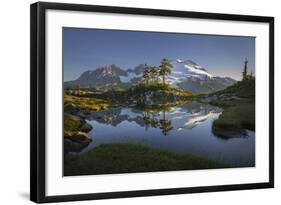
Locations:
14 101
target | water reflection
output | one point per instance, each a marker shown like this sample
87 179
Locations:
164 117
180 129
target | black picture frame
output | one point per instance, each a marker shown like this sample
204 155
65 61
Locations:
38 101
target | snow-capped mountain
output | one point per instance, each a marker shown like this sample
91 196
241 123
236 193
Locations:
188 75
185 74
183 69
108 76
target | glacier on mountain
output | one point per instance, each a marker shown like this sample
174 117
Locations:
183 69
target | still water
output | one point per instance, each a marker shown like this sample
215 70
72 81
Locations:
180 129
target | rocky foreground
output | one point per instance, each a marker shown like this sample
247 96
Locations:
76 131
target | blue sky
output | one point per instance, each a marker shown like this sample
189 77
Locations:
87 49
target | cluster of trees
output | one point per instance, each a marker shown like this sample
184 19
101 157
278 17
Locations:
151 74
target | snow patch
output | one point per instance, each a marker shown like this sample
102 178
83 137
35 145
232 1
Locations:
129 77
183 69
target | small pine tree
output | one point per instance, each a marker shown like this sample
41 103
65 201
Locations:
245 70
165 68
251 75
154 74
146 74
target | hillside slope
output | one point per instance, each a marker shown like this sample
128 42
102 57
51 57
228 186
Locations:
238 102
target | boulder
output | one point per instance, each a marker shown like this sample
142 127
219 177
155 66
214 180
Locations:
77 136
75 141
86 127
74 117
70 108
70 146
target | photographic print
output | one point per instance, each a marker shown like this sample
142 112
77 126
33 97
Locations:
138 101
131 102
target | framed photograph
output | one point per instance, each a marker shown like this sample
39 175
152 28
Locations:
129 102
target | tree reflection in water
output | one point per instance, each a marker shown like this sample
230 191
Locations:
152 119
163 117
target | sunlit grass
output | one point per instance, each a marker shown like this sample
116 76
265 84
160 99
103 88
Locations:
90 104
71 125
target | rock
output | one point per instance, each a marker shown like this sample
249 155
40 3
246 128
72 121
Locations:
75 141
77 136
209 99
70 108
73 123
70 146
86 127
235 98
72 117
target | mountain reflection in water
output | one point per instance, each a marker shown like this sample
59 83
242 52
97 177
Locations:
181 129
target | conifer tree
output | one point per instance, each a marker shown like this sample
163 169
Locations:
165 68
245 70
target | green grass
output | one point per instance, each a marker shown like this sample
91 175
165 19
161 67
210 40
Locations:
71 125
126 158
159 94
89 101
73 104
161 87
237 116
242 89
152 87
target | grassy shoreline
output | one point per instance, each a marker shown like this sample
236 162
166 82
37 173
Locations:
238 102
131 158
235 119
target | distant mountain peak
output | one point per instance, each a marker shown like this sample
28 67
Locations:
186 69
186 74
